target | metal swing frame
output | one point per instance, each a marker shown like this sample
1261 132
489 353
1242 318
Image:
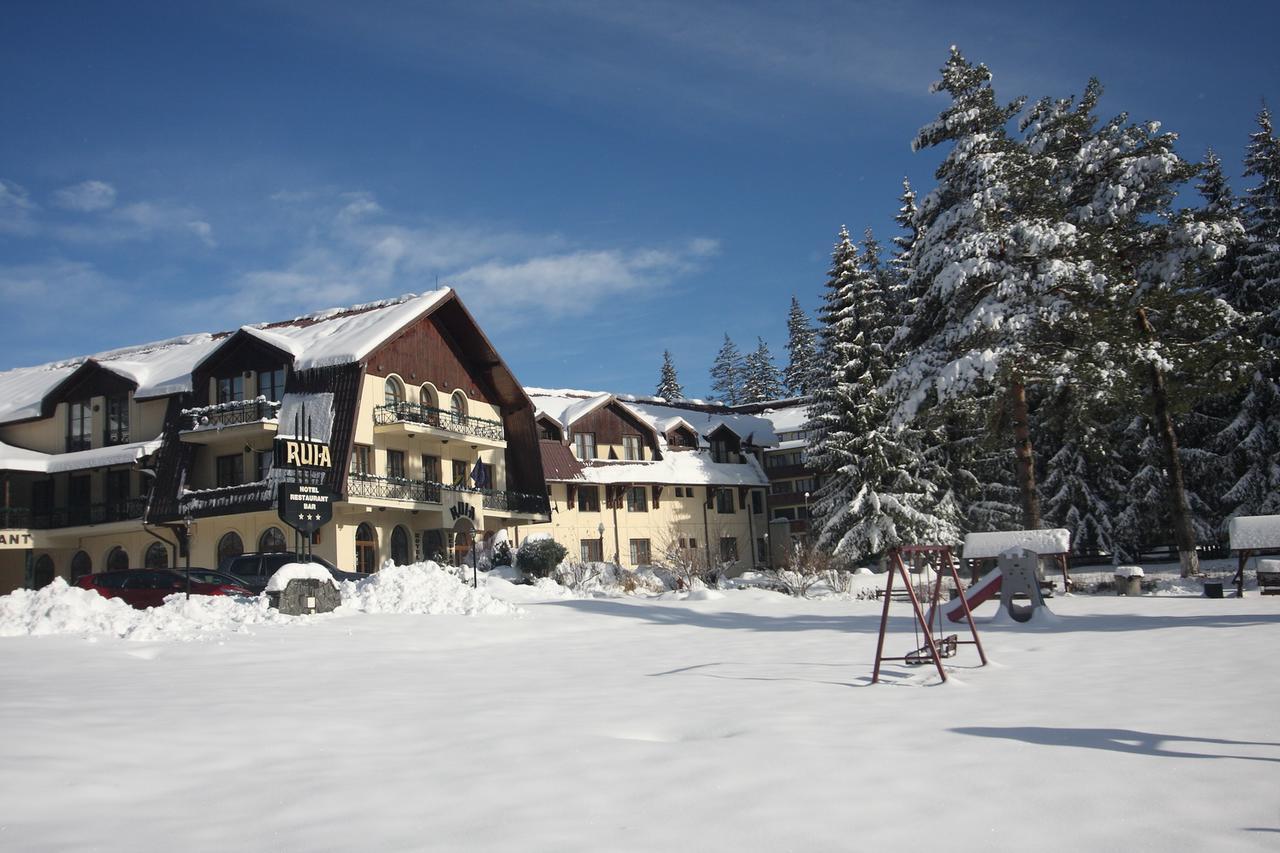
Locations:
930 651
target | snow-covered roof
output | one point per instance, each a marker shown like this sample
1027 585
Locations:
978 546
333 336
1254 532
21 459
695 466
566 406
788 418
344 335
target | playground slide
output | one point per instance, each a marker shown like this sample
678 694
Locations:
985 588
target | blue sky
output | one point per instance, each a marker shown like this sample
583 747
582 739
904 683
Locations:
599 181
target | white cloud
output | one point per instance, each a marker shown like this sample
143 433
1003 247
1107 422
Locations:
16 209
86 196
350 252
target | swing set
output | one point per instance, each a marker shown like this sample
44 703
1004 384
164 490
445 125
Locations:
936 646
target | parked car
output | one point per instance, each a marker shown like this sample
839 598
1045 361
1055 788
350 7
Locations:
257 567
143 588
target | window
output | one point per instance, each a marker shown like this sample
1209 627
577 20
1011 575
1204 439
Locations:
724 500
157 556
272 541
459 473
393 391
81 565
728 549
395 464
584 444
230 546
400 546
262 461
117 559
757 502
591 550
427 397
588 499
458 406
117 493
431 468
719 450
43 572
631 450
79 415
229 470
78 498
271 384
230 389
366 548
640 552
548 432
638 499
361 459
117 427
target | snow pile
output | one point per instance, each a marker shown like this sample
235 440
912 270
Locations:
297 571
1128 571
979 546
61 609
1254 532
419 588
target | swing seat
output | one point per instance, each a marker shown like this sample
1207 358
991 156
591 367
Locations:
921 656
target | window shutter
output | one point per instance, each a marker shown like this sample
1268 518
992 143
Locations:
657 496
572 495
742 497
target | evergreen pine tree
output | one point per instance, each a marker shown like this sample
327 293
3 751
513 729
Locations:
802 353
761 380
669 387
727 373
900 298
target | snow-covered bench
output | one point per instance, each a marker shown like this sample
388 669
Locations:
1250 535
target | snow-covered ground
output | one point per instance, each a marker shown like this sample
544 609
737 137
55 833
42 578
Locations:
741 720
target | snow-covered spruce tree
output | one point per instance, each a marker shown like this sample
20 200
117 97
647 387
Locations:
829 420
1252 438
876 498
761 380
726 373
802 352
984 310
669 387
899 297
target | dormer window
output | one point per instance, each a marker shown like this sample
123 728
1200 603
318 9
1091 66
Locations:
632 451
271 384
117 426
230 389
79 417
719 450
584 444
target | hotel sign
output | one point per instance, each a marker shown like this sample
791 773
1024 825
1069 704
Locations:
304 508
15 540
302 455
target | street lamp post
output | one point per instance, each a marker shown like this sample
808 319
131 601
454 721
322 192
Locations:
186 523
600 530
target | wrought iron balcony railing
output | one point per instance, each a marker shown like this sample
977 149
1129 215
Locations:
232 414
517 502
53 518
392 488
245 497
443 419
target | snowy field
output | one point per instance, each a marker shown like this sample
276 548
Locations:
738 722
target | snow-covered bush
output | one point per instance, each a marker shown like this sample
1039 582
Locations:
502 554
806 568
539 557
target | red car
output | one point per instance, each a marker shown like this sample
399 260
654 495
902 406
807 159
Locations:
144 588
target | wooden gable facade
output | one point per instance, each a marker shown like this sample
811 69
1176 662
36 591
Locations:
610 422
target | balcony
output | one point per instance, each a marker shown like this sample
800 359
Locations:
392 489
239 419
245 497
444 424
128 509
517 503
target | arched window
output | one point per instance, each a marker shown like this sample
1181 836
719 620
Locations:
458 406
400 546
117 559
42 573
157 556
366 548
81 565
432 546
393 391
230 546
272 541
428 397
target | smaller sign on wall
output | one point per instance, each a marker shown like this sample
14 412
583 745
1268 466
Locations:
15 540
304 508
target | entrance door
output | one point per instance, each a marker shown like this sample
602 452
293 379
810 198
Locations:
463 532
366 548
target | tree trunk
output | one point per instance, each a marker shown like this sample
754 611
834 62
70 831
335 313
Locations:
1179 509
1025 455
